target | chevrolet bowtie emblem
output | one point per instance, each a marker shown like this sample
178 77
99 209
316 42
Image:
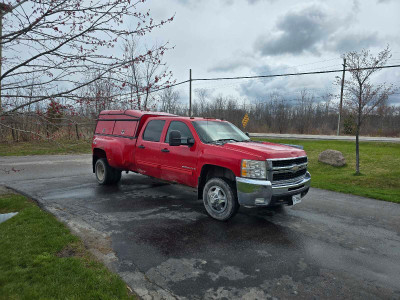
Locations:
295 168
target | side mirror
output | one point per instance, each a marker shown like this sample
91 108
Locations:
246 133
190 142
175 138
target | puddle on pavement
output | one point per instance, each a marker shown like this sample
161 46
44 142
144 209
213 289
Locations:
5 217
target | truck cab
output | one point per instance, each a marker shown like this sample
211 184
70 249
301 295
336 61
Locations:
226 167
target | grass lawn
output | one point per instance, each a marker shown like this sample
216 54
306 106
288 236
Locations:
41 259
45 147
379 165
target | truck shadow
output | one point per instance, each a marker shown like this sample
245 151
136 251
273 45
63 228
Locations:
169 217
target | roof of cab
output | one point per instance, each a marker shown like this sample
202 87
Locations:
133 113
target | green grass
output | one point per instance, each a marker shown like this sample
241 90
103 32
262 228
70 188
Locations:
45 147
31 263
379 166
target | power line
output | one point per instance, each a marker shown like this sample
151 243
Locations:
267 76
281 68
292 74
258 76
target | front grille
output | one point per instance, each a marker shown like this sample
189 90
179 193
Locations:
289 162
288 175
287 170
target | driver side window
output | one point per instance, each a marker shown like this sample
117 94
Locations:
179 126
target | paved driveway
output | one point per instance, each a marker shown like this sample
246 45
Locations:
159 239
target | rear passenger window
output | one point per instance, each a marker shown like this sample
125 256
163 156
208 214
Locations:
182 128
153 130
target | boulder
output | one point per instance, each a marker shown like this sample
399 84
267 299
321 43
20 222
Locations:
332 157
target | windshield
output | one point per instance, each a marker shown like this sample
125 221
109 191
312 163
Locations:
212 131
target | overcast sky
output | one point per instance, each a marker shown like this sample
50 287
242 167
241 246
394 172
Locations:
259 37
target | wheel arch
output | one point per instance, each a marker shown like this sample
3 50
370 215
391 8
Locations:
97 153
209 171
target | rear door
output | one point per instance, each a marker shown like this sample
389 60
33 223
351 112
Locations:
148 148
178 163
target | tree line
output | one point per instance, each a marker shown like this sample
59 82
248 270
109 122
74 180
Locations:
276 114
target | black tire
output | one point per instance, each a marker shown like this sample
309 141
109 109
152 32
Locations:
117 176
214 193
104 173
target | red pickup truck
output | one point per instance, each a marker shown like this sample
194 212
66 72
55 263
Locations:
227 168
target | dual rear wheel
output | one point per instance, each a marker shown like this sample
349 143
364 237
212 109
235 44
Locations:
105 174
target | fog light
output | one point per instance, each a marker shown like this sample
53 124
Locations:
260 201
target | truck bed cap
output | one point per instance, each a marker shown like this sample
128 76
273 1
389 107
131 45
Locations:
132 113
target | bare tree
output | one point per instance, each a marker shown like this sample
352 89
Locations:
143 75
304 109
99 94
280 111
58 42
201 99
362 96
169 100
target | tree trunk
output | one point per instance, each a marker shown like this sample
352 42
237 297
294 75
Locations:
358 132
357 151
13 134
77 132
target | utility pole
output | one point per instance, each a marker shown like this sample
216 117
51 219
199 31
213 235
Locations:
341 96
190 92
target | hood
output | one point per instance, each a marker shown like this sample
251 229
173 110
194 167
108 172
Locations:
264 150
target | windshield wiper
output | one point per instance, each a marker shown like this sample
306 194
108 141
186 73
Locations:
227 140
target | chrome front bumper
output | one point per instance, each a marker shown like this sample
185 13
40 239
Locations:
254 192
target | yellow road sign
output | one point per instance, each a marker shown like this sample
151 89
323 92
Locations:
245 120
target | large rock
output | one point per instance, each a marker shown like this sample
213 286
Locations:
332 157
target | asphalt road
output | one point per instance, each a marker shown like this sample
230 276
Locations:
325 137
159 239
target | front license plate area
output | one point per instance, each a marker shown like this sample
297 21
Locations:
296 199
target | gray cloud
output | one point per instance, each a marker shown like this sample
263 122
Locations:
288 87
353 41
297 31
229 65
314 29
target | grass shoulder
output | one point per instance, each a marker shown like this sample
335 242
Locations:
379 164
45 147
41 259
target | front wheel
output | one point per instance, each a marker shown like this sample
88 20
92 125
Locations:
219 198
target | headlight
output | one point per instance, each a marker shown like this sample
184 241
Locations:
254 169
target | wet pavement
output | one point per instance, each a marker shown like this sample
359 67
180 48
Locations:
158 237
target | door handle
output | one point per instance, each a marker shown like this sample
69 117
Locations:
141 147
164 150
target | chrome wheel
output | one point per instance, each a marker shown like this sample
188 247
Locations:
100 171
217 199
